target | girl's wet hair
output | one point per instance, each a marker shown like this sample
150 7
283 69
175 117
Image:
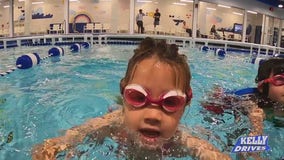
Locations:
167 53
273 65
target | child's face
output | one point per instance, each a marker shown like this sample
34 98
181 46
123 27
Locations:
151 123
276 93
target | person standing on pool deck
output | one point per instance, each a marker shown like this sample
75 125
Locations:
139 21
187 29
157 16
155 91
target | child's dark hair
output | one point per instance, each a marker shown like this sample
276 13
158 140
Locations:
271 66
167 53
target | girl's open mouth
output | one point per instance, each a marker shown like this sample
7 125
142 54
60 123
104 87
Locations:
150 138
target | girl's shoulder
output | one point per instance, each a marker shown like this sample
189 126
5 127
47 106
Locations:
109 118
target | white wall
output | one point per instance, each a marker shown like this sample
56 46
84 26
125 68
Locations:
221 17
253 5
167 10
116 13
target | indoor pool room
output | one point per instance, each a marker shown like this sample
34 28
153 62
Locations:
82 81
141 79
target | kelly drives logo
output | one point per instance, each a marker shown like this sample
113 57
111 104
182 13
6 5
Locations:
251 144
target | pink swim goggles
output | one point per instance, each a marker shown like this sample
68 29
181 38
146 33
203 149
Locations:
171 101
277 80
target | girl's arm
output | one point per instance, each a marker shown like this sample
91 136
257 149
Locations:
256 117
202 149
50 147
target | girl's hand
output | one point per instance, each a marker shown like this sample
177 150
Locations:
49 149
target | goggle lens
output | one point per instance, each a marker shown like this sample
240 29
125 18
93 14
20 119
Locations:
278 80
134 97
173 103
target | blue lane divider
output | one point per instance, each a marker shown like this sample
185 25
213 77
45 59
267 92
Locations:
29 60
86 45
9 71
54 54
220 52
24 62
76 47
204 48
255 58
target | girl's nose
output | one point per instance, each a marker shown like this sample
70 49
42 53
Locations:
153 114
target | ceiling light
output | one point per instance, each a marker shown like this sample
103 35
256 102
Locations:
190 1
143 1
220 5
37 2
180 4
280 5
252 12
213 9
237 13
7 6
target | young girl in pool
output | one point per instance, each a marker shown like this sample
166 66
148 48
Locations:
265 103
269 95
269 98
155 91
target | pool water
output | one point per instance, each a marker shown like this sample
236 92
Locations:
43 101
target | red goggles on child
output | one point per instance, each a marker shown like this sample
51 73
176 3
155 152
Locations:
171 101
277 80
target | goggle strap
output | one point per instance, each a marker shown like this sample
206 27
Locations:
270 80
189 95
260 83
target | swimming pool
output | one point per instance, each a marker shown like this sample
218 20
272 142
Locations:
43 101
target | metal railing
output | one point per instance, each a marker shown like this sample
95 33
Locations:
65 39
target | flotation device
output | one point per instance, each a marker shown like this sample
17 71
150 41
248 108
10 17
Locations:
204 48
245 91
279 55
220 52
222 100
85 45
75 47
27 61
55 52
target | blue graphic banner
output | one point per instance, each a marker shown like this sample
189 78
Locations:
251 144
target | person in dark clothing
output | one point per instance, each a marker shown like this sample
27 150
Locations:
139 21
157 16
213 32
187 29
